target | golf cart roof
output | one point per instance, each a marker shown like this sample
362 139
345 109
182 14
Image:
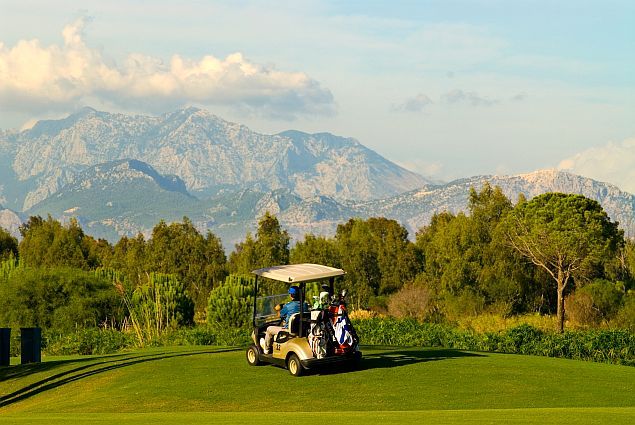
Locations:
298 272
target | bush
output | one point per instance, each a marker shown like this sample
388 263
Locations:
87 341
163 302
466 303
580 310
612 346
92 341
208 335
57 300
489 322
8 245
412 301
231 304
593 303
160 305
625 317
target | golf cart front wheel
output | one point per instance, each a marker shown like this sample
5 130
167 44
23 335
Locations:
294 366
252 356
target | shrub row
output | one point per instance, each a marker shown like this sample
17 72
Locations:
87 341
611 346
212 334
106 341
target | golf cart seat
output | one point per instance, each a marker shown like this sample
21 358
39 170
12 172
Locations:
294 323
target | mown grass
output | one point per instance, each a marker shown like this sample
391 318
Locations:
561 416
394 385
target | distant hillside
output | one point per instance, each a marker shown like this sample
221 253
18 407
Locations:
415 208
206 152
120 198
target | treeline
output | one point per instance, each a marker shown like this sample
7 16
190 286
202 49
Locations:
553 254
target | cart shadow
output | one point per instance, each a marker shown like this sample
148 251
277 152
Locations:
398 358
82 372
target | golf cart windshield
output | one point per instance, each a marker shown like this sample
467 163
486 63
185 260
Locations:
265 307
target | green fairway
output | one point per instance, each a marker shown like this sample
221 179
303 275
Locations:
205 385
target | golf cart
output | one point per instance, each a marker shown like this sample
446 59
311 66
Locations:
319 336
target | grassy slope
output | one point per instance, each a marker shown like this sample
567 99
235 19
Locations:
394 386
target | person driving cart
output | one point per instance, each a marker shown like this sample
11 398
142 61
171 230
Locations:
285 312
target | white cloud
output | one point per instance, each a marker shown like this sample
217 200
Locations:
35 77
471 98
613 163
415 104
422 101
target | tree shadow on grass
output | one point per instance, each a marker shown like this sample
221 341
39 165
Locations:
87 370
23 370
398 357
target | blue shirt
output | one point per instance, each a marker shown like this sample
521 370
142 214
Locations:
290 309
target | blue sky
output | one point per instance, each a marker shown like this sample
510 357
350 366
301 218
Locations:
446 88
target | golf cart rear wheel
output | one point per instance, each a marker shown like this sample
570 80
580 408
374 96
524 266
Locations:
294 366
252 356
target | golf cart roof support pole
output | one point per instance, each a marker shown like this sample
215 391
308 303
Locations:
332 285
253 319
302 287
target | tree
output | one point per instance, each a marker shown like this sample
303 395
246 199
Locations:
377 256
272 243
47 243
502 277
178 248
244 258
269 248
57 299
8 245
315 249
449 252
129 257
566 235
487 208
628 260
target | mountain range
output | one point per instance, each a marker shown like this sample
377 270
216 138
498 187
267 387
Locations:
120 174
208 153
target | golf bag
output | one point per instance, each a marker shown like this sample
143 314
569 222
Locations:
332 332
343 332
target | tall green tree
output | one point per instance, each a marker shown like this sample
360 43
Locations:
48 243
244 258
317 250
451 256
377 256
504 279
129 257
272 242
269 248
568 236
180 249
487 208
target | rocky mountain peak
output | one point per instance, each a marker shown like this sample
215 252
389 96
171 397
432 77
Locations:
207 153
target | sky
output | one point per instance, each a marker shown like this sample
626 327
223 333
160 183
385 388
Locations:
446 88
